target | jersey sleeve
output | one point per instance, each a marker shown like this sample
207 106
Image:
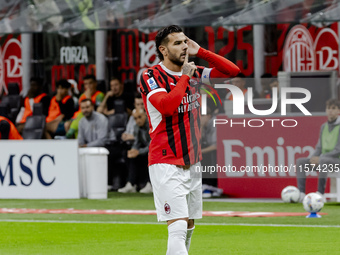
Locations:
153 86
223 68
149 81
204 74
167 103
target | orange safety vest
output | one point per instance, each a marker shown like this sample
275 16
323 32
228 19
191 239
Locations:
13 133
28 111
81 98
54 110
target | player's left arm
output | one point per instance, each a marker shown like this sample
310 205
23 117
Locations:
223 68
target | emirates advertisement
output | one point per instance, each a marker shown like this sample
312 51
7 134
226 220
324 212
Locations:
256 158
10 61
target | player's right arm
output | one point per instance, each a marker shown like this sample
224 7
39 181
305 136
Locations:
167 103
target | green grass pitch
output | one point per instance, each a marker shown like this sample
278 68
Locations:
137 234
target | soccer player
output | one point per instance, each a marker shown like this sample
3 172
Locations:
172 103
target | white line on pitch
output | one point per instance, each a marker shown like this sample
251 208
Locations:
162 223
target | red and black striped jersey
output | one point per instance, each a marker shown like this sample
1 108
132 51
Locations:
174 118
175 139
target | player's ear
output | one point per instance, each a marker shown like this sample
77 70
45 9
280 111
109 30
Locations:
163 50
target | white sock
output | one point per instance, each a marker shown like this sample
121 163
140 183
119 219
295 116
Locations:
177 232
188 240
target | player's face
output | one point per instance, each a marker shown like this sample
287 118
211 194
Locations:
332 112
86 108
177 48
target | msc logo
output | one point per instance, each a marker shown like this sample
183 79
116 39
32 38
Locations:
27 170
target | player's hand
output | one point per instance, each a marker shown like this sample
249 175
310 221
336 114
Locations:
188 68
193 47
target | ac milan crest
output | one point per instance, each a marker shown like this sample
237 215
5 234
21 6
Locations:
167 208
10 62
298 50
304 52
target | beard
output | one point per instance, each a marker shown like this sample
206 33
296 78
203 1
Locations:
174 59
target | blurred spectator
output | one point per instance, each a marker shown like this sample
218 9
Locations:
209 180
265 81
8 130
128 134
74 92
91 92
138 156
12 101
241 82
274 84
34 95
93 128
116 92
60 112
327 151
268 82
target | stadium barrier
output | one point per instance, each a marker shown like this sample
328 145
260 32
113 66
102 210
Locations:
39 169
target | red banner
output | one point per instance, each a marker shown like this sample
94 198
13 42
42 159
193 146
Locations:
70 57
275 143
10 61
239 44
137 52
304 47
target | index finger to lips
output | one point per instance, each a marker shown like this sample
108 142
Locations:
186 57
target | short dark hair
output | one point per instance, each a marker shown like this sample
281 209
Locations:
331 102
63 83
90 76
162 37
85 100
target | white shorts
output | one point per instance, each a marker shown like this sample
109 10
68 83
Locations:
176 193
